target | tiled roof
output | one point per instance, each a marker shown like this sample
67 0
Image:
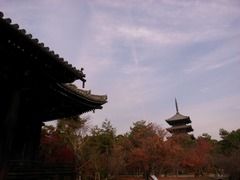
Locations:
58 97
21 37
178 117
87 94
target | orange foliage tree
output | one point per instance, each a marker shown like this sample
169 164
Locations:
198 157
147 148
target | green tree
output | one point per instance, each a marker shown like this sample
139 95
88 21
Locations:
227 153
98 151
72 131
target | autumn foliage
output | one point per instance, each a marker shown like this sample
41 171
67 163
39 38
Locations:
146 149
54 150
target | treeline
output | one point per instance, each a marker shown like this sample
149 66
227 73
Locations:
98 153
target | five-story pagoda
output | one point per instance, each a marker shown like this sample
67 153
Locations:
179 123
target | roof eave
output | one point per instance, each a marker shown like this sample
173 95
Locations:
25 40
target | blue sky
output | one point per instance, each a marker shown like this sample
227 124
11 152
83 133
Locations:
144 53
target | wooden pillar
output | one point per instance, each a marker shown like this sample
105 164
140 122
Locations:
8 126
19 135
31 140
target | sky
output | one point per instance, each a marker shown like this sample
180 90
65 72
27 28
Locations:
144 53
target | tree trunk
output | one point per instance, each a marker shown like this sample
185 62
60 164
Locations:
146 175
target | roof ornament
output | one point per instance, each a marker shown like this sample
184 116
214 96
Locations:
176 105
84 75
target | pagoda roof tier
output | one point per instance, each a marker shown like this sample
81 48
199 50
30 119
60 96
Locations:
178 118
42 56
187 128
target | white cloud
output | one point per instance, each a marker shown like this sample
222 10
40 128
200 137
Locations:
145 35
204 90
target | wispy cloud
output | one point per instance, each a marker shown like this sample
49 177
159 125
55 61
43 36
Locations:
147 35
223 55
144 53
135 69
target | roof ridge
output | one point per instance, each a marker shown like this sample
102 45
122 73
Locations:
78 73
86 93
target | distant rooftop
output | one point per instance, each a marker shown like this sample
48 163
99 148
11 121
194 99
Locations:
178 117
179 122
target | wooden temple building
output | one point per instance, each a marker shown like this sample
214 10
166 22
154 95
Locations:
179 123
35 88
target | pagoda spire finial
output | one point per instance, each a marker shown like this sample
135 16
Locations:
176 105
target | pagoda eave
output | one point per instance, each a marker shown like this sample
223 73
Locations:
187 128
178 121
177 116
